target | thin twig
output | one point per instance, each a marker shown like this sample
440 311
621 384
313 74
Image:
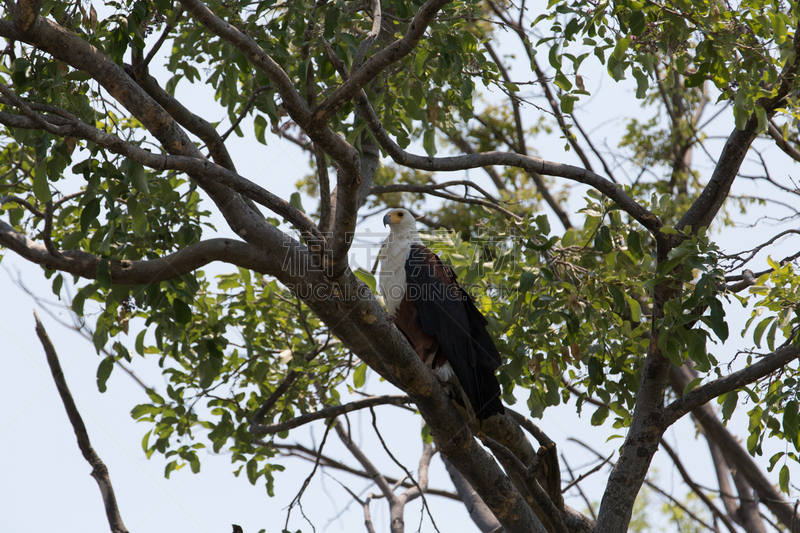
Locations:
403 467
329 412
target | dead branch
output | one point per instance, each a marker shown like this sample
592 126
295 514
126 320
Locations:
99 469
300 451
696 489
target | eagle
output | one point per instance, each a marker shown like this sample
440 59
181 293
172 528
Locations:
438 317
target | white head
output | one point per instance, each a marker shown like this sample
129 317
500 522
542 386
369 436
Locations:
400 222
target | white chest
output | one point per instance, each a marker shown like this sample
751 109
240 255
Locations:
393 275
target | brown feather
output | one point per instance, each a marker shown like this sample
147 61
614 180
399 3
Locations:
427 347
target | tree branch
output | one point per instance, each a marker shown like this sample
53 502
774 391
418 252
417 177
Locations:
542 500
484 159
478 511
302 452
329 412
25 14
702 395
696 489
434 190
192 122
705 208
194 166
99 470
379 61
737 456
129 272
373 472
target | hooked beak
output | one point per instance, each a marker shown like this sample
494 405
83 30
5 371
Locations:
386 220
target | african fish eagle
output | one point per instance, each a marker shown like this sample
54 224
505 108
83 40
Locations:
438 317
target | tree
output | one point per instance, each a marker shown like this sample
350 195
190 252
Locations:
622 311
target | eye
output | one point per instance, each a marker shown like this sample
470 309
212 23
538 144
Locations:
400 214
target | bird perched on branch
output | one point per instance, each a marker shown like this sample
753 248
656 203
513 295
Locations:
438 316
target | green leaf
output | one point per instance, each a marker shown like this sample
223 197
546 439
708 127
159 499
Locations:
718 323
360 376
146 440
426 434
296 200
41 186
252 471
331 21
599 416
183 313
790 426
773 330
260 124
139 346
104 372
774 459
419 62
429 142
526 281
77 304
154 396
367 278
139 220
89 214
104 274
634 242
568 103
636 309
761 114
616 66
562 82
729 405
57 283
783 478
692 385
642 83
568 238
760 328
137 177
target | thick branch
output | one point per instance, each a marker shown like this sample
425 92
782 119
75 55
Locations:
129 272
536 491
99 470
25 14
478 511
647 426
194 123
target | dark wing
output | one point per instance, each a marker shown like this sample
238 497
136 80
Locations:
448 314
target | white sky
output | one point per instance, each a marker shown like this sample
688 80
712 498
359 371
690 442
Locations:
46 483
